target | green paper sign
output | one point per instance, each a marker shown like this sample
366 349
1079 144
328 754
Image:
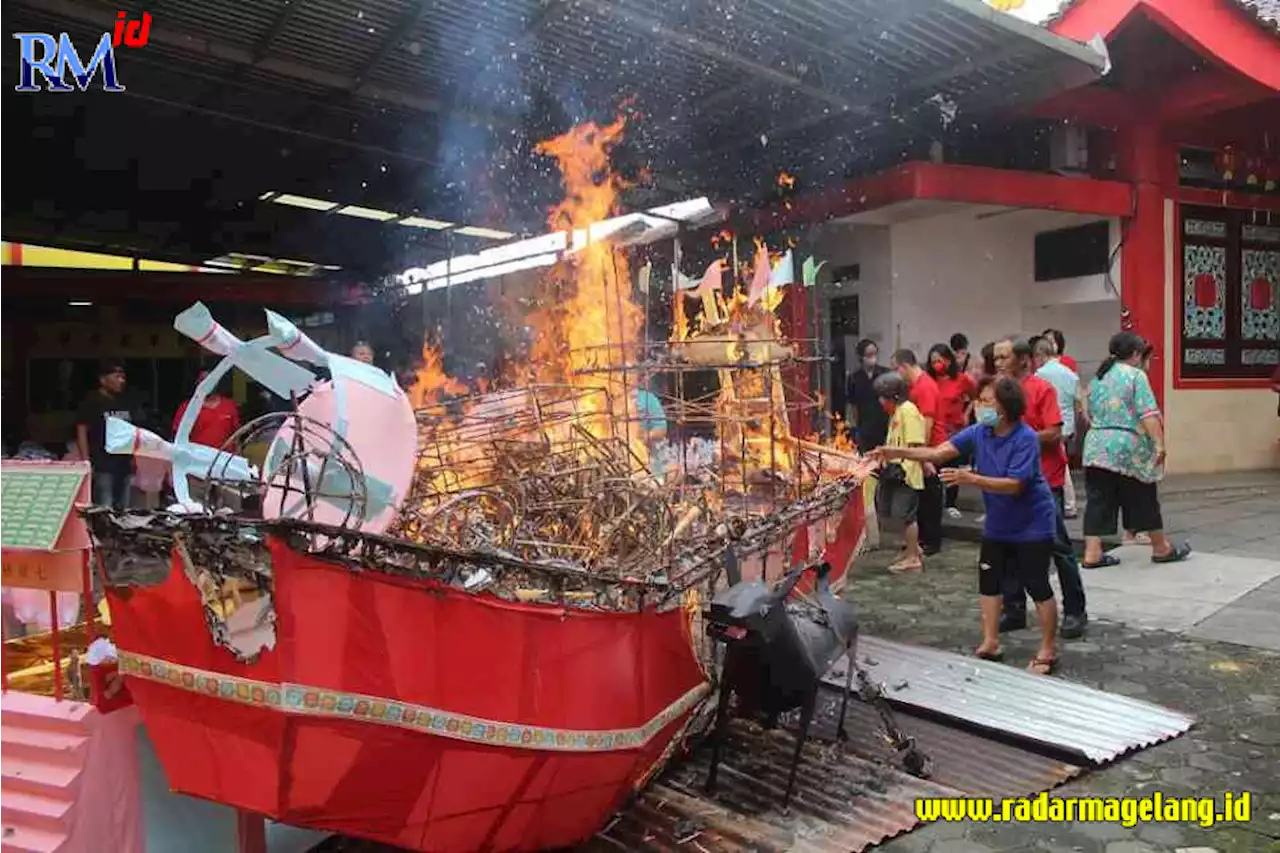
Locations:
34 506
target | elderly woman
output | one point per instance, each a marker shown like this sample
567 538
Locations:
899 485
1021 516
1124 455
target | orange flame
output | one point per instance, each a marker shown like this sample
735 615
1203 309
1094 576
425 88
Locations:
432 382
786 180
595 320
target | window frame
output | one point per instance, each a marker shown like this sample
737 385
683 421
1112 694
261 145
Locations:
1233 342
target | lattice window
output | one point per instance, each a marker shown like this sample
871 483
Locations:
1230 293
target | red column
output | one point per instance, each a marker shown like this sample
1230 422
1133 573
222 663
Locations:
1150 165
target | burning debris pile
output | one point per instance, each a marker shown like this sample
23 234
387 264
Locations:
565 468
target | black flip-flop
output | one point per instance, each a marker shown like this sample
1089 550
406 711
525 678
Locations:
1177 555
994 657
1106 561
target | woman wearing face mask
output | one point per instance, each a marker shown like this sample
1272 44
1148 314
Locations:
1021 516
898 486
956 391
1124 455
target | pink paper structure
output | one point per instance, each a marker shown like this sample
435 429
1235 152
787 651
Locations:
381 430
68 755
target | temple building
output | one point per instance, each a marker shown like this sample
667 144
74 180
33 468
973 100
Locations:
1146 200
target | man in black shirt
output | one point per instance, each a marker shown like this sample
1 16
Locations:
112 472
869 417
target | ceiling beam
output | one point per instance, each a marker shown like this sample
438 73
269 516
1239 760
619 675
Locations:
278 26
404 25
656 29
235 55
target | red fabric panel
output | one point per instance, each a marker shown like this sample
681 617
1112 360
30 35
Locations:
1206 290
210 748
388 637
477 655
840 551
1260 294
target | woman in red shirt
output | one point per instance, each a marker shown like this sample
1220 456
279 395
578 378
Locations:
956 392
217 419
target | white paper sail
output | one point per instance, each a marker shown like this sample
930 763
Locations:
282 377
295 344
198 460
783 272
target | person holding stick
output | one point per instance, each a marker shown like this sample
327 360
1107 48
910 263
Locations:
1021 515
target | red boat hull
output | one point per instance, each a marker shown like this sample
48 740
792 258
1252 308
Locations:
408 712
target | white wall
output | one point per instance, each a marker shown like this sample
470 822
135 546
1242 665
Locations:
924 279
868 246
973 273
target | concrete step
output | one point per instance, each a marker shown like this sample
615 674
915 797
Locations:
41 712
35 810
21 741
21 839
33 776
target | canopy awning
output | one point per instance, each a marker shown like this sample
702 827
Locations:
452 94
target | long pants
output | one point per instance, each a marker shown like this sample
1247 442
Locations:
1069 493
1064 560
930 515
111 489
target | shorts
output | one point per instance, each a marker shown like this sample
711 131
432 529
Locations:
897 501
1108 494
1002 565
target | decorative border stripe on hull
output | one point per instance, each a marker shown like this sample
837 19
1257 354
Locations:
320 702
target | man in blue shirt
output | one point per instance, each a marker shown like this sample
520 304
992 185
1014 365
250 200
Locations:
1065 382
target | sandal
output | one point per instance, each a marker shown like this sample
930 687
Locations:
902 568
1042 666
995 657
1106 561
1177 555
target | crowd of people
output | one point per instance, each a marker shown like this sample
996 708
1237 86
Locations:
1006 424
117 477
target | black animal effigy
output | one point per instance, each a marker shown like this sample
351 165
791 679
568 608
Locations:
776 655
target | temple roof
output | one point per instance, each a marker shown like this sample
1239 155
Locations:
1266 12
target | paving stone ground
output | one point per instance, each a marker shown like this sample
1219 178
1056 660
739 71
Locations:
1233 691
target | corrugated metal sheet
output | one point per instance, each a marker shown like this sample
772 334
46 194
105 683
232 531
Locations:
845 801
964 760
1049 711
842 802
717 81
847 798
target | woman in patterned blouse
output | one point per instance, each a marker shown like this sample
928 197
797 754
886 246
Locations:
1124 455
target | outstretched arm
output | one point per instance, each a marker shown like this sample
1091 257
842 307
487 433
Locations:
940 455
